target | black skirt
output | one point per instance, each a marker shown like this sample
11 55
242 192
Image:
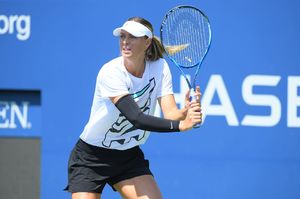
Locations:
91 167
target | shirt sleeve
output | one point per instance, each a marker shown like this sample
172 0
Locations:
166 87
111 82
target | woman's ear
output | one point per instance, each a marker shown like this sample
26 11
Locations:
148 42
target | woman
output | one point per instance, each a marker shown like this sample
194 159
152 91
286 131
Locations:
126 93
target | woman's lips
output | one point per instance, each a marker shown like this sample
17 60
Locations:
126 50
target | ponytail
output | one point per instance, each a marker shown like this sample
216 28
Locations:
155 50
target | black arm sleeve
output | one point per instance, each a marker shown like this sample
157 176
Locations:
128 107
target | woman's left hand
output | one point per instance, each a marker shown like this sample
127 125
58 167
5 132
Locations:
186 103
198 98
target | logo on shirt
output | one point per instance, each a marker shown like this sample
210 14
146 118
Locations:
122 131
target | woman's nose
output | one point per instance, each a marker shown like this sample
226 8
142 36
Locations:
126 40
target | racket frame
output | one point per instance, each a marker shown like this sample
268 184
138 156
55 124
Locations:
191 85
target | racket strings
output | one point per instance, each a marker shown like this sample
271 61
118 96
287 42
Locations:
186 34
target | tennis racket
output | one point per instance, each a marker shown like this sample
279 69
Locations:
186 37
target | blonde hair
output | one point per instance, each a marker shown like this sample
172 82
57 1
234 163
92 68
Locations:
155 50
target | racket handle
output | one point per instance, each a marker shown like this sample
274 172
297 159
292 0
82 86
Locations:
192 94
193 98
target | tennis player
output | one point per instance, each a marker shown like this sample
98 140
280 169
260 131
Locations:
127 90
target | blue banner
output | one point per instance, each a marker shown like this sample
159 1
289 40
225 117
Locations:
249 143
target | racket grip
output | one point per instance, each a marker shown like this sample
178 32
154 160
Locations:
193 98
192 94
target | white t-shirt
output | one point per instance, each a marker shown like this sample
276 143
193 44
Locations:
107 127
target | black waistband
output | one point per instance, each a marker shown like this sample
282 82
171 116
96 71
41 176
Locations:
95 149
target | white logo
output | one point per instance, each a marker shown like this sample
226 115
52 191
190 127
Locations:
217 87
13 115
19 24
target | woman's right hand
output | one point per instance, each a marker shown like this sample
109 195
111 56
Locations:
194 116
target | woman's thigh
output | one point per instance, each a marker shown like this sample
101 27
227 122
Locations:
85 195
141 187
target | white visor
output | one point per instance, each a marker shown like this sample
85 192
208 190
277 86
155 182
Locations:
134 28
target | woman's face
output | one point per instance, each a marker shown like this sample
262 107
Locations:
133 47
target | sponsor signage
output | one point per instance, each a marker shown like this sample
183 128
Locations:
20 113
